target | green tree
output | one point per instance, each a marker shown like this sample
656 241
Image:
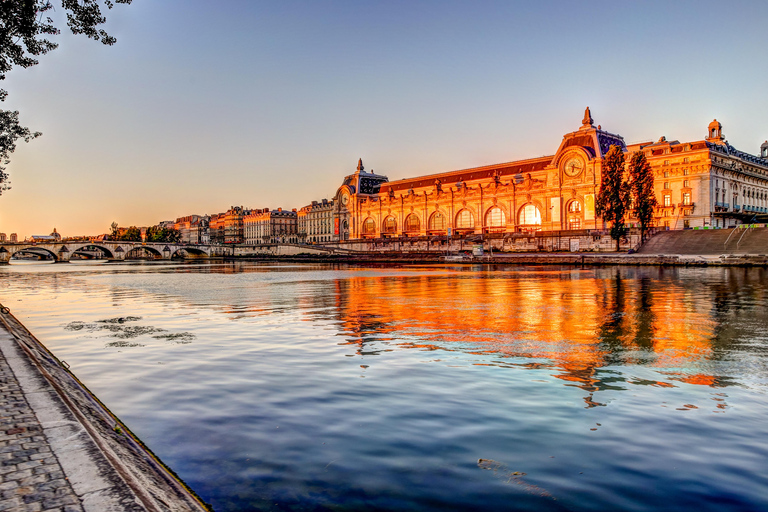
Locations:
132 234
161 234
24 26
643 196
612 202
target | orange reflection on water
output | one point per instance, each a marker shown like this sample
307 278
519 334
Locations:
574 320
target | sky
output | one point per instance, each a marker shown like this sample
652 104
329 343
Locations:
203 105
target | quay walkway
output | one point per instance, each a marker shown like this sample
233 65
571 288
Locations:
62 450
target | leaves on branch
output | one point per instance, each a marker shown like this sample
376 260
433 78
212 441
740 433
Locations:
643 196
24 26
612 202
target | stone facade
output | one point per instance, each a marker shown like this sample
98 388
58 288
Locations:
216 228
315 222
227 227
694 184
233 224
265 226
193 229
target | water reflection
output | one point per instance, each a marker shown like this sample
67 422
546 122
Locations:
509 388
579 322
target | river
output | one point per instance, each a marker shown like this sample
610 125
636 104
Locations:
315 387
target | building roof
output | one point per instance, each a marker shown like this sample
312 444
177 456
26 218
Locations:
477 173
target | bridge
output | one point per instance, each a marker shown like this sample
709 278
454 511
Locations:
115 251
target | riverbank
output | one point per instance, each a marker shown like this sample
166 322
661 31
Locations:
576 259
61 448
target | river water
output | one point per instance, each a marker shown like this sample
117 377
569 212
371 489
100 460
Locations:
311 387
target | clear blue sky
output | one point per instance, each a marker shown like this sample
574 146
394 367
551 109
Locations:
201 105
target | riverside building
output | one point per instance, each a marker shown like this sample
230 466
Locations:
315 222
193 229
700 184
265 226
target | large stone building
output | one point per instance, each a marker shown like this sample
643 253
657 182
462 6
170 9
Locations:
315 222
265 226
705 183
227 227
193 229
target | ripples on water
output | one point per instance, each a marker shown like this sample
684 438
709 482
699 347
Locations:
299 387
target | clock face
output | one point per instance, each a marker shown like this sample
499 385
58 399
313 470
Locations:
344 199
573 166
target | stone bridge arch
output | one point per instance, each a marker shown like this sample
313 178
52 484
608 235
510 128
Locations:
108 253
33 249
191 252
156 253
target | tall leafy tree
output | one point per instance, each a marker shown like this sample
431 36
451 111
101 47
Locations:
132 234
612 202
161 234
24 28
641 185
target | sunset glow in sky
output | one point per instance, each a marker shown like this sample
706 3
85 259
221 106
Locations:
202 105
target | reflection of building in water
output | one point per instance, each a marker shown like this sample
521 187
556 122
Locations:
575 321
700 183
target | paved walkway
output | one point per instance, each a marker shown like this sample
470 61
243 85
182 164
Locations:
60 450
31 478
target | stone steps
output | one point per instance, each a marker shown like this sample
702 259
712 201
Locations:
708 242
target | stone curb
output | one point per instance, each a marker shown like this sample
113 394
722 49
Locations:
104 466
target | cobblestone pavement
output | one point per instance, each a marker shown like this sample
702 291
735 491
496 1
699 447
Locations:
31 478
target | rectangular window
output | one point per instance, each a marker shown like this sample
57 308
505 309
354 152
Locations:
685 172
666 185
685 160
667 200
666 162
666 174
686 184
686 198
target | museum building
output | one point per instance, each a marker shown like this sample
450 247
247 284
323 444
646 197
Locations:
700 184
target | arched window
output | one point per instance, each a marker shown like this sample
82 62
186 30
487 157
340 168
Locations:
437 222
529 218
495 220
389 226
574 215
465 220
369 226
412 223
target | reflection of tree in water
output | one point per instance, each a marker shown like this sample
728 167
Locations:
646 319
612 327
578 322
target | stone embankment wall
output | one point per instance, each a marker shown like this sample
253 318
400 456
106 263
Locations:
746 246
103 463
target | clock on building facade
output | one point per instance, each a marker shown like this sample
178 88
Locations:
573 166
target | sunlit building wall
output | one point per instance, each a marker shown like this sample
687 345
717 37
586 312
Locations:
700 184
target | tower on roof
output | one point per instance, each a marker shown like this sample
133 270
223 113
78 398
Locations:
715 132
587 122
764 150
360 167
